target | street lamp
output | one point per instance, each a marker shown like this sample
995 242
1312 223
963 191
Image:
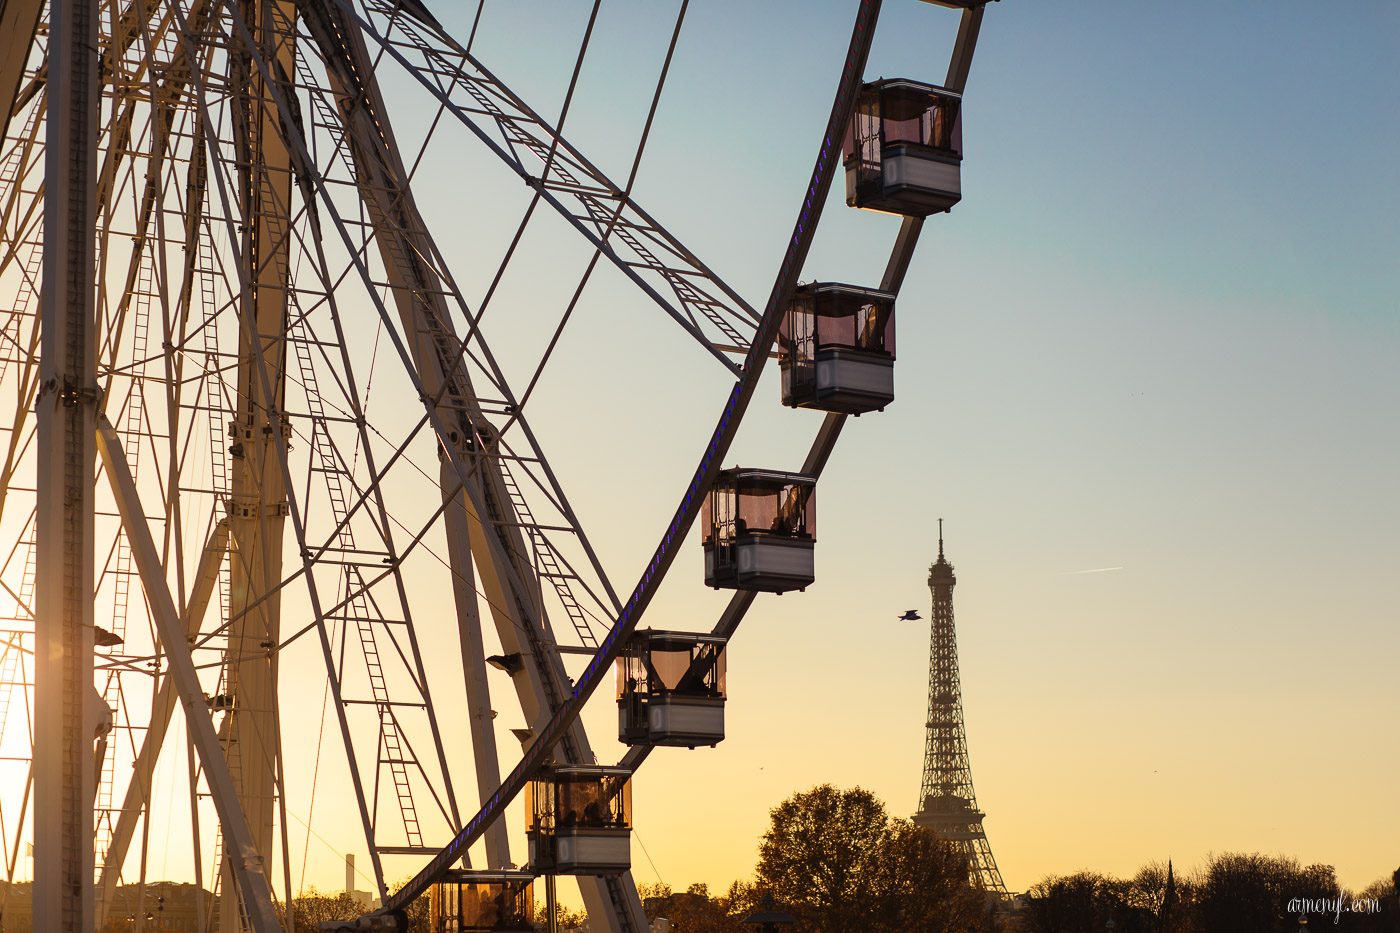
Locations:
768 918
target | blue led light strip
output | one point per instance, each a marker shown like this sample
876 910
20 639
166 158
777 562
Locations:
564 717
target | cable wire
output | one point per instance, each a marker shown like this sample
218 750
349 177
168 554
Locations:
622 202
549 161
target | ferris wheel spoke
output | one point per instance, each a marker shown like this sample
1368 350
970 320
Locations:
21 215
19 21
355 615
425 292
472 94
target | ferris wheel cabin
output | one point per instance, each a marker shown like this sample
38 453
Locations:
670 689
903 151
760 531
481 901
580 820
837 349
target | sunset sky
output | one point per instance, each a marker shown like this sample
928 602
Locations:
1159 335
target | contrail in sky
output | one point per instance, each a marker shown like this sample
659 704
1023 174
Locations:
1070 573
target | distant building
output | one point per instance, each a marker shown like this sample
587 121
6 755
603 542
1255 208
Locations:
163 907
16 911
167 907
365 899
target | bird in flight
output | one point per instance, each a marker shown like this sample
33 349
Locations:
910 615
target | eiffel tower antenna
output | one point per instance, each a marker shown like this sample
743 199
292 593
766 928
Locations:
948 804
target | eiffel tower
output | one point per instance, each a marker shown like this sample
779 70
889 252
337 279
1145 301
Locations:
948 804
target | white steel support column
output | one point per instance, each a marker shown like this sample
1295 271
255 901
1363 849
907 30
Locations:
241 854
258 509
65 714
488 767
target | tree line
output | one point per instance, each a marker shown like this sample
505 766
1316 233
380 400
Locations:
1232 893
837 862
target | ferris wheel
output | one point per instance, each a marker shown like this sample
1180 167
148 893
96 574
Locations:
256 424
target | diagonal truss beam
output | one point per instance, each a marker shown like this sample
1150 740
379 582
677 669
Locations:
19 19
241 853
138 792
605 214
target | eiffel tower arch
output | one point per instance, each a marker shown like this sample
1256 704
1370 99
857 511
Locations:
947 802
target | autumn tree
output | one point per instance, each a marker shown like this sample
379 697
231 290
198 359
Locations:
564 917
835 860
1241 893
314 907
922 883
695 911
818 857
1383 891
1069 903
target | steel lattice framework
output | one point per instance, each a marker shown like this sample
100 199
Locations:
947 802
217 285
